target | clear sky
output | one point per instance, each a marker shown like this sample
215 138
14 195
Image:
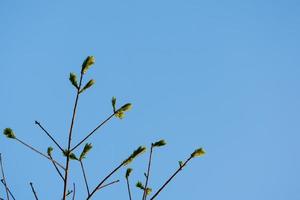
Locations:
223 75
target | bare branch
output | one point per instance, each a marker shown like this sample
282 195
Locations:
148 174
128 188
35 150
92 132
108 184
49 135
10 193
57 168
100 184
33 191
168 181
84 176
3 176
70 137
73 198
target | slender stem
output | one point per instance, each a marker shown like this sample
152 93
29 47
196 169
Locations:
167 182
148 174
84 176
33 191
70 138
108 184
35 150
49 135
128 187
73 191
92 132
8 190
100 184
3 176
57 168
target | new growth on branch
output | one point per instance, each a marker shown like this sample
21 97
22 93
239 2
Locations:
63 170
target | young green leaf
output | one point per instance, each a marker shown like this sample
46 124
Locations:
159 143
85 150
126 107
73 156
49 151
88 85
198 152
180 163
88 62
67 153
136 153
128 172
73 80
113 102
148 191
140 185
120 113
8 132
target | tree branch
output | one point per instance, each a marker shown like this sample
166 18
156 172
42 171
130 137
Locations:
57 168
148 173
128 188
73 198
8 190
168 181
33 191
92 132
3 177
100 184
84 176
108 184
35 150
49 135
70 138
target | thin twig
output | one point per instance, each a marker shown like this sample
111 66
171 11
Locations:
70 138
148 173
73 198
100 184
69 192
128 187
35 150
49 135
33 191
108 184
2 181
3 176
92 132
84 176
57 168
167 182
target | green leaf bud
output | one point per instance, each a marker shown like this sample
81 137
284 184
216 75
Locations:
73 80
88 62
49 150
198 152
85 150
128 172
148 191
88 85
113 102
140 185
8 132
135 153
126 107
159 143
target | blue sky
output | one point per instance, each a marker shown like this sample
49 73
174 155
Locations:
223 75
